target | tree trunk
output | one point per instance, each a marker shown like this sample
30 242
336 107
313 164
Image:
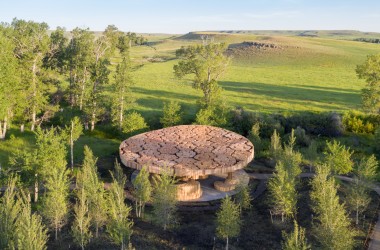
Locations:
5 124
121 112
93 116
22 128
34 94
1 130
36 189
82 89
56 232
227 244
357 215
72 146
96 230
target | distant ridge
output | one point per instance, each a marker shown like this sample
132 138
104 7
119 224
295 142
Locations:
337 34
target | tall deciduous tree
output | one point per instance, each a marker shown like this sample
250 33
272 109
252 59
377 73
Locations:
207 63
332 227
31 44
10 90
228 220
143 191
370 71
119 227
80 56
122 90
164 199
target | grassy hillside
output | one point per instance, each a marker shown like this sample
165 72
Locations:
301 73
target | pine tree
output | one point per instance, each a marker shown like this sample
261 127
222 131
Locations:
119 227
275 145
243 197
332 224
283 192
30 232
358 192
143 191
296 240
338 157
81 225
10 208
228 220
88 179
164 199
56 204
171 114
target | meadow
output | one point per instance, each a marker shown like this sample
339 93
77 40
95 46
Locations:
301 74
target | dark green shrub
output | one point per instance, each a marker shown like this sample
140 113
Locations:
324 124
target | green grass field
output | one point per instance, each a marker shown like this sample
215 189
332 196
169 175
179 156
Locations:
303 74
307 73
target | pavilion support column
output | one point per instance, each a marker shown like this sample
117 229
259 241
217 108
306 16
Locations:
229 175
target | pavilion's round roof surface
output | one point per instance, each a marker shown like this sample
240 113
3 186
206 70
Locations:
187 150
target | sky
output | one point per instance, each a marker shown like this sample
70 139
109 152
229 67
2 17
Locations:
182 16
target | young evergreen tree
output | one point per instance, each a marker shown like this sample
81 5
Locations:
10 208
143 191
358 192
119 227
243 197
275 146
228 220
332 224
82 221
164 199
133 123
56 205
31 234
296 240
338 157
171 114
283 192
88 179
291 158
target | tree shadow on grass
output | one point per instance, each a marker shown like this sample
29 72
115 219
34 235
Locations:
322 98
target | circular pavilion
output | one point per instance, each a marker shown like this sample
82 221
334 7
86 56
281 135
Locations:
192 153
